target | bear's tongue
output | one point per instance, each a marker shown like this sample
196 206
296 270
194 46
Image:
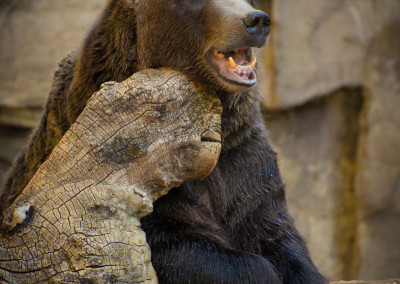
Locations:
234 67
243 71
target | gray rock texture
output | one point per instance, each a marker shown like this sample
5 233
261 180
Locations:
316 48
34 36
316 145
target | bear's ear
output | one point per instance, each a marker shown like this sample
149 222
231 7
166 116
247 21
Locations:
108 53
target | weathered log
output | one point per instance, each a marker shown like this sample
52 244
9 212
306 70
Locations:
78 218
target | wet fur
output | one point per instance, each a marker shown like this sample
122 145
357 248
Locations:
233 226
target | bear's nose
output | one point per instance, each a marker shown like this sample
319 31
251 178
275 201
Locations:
257 23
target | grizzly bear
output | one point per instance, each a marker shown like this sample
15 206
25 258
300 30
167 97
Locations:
233 226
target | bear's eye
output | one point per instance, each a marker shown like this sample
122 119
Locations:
188 6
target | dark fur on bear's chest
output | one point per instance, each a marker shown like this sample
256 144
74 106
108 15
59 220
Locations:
236 219
224 204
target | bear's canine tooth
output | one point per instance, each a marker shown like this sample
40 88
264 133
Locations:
253 62
232 63
218 54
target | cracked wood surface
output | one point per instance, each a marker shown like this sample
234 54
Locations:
78 218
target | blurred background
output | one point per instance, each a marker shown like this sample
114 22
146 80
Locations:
331 90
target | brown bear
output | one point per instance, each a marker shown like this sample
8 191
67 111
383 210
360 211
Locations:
233 226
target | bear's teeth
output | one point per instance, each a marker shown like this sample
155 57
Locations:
253 62
232 63
218 54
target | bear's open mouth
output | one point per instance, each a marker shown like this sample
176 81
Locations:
234 66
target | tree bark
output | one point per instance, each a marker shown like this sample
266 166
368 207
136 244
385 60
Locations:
78 218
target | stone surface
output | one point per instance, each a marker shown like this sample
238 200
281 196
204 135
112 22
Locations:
378 177
34 37
316 145
309 56
316 47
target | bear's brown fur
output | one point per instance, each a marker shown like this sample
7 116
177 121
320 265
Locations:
233 226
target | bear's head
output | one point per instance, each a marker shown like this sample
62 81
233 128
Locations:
211 41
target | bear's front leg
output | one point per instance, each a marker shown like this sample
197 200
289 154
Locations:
202 261
291 258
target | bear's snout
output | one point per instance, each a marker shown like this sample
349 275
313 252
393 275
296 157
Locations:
257 24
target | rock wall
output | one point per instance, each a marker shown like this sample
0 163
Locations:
34 36
331 86
316 144
338 149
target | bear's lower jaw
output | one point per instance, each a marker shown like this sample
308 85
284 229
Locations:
233 67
